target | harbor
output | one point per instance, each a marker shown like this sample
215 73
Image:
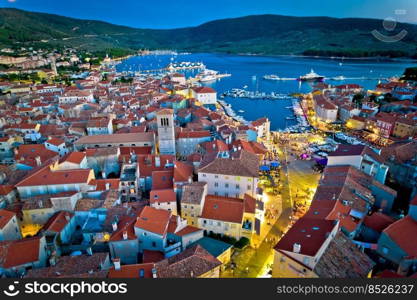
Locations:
242 93
248 71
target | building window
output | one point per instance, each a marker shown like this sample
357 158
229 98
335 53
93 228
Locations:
237 186
216 184
153 244
249 187
385 250
226 185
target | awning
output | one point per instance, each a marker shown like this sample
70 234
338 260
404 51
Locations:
275 164
264 168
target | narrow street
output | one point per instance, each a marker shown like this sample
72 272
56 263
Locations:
298 181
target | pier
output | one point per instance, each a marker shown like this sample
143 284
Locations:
239 93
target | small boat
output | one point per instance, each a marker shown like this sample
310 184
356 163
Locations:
241 111
271 77
339 78
312 76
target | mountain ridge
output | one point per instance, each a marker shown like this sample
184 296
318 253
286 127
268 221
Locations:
256 34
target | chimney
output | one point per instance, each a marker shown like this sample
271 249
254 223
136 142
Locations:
114 225
38 161
157 161
67 217
107 186
125 235
296 248
89 251
103 174
154 273
116 262
192 274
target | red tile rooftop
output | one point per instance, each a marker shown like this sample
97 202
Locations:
192 262
378 221
132 271
162 196
223 209
125 228
403 234
152 256
75 157
154 220
117 138
5 217
105 184
182 171
20 252
307 232
162 179
204 90
47 177
55 141
348 150
193 134
57 222
187 230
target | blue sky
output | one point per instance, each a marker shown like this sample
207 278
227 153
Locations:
182 13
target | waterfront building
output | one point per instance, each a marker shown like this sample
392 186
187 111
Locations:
205 95
324 109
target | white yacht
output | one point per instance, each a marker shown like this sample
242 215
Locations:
312 76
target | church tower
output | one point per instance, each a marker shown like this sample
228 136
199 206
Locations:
53 66
166 131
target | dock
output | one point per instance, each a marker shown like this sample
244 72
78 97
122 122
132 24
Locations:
240 93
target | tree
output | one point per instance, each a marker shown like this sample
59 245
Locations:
357 99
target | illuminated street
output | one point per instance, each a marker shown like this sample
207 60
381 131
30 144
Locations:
297 185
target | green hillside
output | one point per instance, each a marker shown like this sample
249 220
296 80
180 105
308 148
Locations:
261 34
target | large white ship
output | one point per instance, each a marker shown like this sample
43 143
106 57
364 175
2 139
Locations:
312 76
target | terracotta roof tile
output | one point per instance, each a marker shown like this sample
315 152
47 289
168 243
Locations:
154 220
192 262
223 209
5 217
